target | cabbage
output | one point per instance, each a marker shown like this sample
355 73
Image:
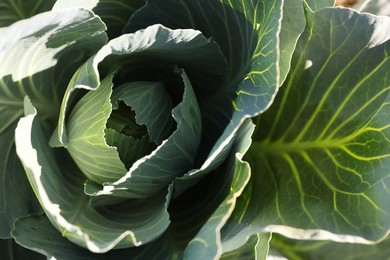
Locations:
207 129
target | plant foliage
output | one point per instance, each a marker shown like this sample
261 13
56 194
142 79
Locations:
207 129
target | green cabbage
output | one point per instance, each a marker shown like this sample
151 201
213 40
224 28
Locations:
193 129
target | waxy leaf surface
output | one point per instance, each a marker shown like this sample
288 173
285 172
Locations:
320 155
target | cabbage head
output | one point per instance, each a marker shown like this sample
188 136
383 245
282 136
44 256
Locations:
193 129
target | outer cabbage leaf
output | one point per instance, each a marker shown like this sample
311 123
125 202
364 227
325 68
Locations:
54 45
38 55
207 242
320 155
38 234
10 250
301 250
191 213
114 13
14 10
16 196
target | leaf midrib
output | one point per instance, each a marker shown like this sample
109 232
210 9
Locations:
264 147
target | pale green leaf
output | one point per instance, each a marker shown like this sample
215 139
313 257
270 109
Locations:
86 136
58 184
172 158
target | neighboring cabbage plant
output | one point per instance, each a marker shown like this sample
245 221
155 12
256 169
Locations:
193 129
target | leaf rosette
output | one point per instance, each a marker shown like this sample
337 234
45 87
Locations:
125 125
142 133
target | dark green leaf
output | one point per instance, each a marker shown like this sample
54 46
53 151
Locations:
293 24
42 70
38 234
14 10
320 155
207 242
152 105
17 198
114 13
9 250
130 149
